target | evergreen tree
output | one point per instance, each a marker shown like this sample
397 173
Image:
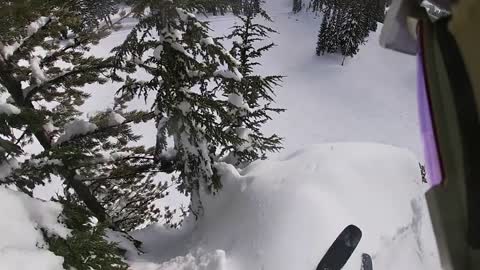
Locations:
380 10
333 32
354 18
119 190
370 8
322 34
44 67
297 6
352 35
250 98
316 5
187 69
345 26
86 247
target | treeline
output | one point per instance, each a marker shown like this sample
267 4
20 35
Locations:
346 24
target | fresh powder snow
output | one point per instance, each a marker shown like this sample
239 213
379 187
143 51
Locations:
22 246
284 214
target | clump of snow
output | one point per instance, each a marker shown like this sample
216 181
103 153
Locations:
32 28
36 25
185 107
9 109
244 134
9 50
37 73
49 127
284 214
229 74
115 119
158 52
22 245
207 41
184 15
40 162
75 128
238 101
7 167
179 47
195 73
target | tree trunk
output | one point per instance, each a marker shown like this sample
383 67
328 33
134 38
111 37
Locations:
15 90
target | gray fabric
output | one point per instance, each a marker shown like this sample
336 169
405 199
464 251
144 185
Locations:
395 34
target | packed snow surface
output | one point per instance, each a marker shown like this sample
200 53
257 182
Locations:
284 214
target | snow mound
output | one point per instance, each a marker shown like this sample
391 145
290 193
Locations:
199 260
284 214
22 246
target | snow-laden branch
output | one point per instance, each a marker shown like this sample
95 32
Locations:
9 50
75 128
80 128
30 91
8 109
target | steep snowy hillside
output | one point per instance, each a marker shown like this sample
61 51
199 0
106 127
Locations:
284 213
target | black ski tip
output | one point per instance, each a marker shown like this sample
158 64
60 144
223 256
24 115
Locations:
341 249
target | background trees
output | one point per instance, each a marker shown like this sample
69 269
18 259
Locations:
345 24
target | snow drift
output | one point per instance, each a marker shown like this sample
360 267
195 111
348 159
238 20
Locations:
284 214
22 246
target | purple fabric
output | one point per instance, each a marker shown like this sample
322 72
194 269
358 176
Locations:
433 166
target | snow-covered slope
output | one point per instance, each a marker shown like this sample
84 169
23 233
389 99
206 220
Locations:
284 214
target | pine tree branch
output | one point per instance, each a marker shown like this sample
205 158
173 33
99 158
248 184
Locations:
99 130
28 38
31 91
52 57
14 88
